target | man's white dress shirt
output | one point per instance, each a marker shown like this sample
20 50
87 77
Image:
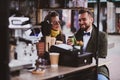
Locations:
86 39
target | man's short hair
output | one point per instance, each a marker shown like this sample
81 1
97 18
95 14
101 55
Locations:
86 10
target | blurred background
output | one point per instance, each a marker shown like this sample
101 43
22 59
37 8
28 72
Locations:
22 29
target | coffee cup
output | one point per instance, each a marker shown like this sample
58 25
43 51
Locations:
53 40
54 59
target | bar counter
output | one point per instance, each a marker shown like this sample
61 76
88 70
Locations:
51 73
61 72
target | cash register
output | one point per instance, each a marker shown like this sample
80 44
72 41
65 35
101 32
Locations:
72 55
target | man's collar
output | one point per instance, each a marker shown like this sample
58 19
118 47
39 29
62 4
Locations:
88 32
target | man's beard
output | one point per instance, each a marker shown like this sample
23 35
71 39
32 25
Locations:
84 28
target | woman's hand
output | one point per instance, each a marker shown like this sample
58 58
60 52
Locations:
70 41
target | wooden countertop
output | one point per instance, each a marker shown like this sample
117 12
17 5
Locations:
56 72
50 73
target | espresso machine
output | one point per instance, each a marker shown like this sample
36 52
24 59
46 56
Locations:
24 36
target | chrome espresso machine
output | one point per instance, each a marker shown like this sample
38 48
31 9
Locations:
23 40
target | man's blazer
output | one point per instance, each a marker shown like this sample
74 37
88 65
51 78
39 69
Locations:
97 43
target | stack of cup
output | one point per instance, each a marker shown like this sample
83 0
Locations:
49 42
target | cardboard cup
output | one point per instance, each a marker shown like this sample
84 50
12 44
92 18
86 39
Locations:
54 58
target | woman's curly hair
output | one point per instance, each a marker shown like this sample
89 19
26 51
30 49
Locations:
46 24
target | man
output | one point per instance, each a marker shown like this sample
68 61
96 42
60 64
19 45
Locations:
88 34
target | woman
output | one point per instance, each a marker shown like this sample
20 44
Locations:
51 27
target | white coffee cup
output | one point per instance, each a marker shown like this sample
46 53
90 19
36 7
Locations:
53 40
